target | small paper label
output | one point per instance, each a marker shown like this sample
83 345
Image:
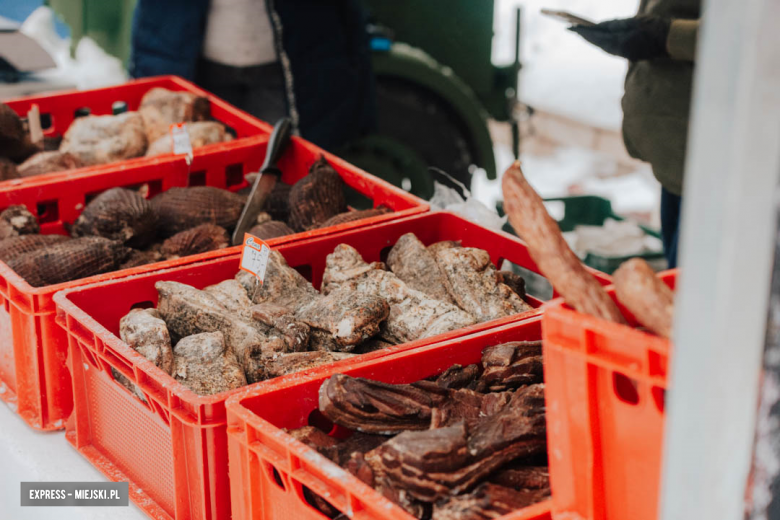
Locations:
254 256
181 140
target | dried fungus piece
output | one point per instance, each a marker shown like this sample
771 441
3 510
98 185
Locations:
282 286
294 332
200 239
201 133
70 260
413 263
444 244
278 365
352 216
511 365
485 502
232 296
271 229
470 278
413 314
188 311
14 247
17 220
160 108
350 318
649 299
118 214
12 133
380 408
204 364
146 333
550 251
180 209
48 162
104 139
316 197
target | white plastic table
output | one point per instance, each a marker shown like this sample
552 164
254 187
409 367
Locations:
27 455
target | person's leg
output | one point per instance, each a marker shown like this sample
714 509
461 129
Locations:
225 82
670 225
266 96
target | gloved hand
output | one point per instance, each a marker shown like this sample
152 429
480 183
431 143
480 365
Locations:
640 38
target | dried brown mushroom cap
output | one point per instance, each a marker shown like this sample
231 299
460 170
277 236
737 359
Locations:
14 141
70 260
316 197
200 239
118 214
352 216
271 229
14 247
179 209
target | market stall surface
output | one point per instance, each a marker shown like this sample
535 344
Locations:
29 456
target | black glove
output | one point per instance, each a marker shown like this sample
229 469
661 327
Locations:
640 38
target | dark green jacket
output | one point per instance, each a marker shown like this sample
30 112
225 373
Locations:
657 101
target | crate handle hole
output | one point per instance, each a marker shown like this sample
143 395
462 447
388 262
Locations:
625 388
198 178
48 211
319 504
275 475
319 421
659 397
148 304
384 253
234 175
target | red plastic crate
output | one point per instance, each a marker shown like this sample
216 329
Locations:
605 393
188 475
59 108
33 376
268 468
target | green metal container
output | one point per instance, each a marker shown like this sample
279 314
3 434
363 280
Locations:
108 22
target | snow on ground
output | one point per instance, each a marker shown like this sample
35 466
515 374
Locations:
91 67
562 73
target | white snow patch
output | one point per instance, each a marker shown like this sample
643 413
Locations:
562 73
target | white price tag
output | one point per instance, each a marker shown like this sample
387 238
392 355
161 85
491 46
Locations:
254 256
180 140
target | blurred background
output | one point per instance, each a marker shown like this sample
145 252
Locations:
459 87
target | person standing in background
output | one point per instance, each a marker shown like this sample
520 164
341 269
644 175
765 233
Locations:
660 43
309 59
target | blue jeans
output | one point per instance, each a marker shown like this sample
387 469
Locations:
670 225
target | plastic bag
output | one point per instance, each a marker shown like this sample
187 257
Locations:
448 199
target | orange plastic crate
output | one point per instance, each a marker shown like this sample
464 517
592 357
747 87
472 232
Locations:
33 350
269 469
173 451
605 392
58 109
